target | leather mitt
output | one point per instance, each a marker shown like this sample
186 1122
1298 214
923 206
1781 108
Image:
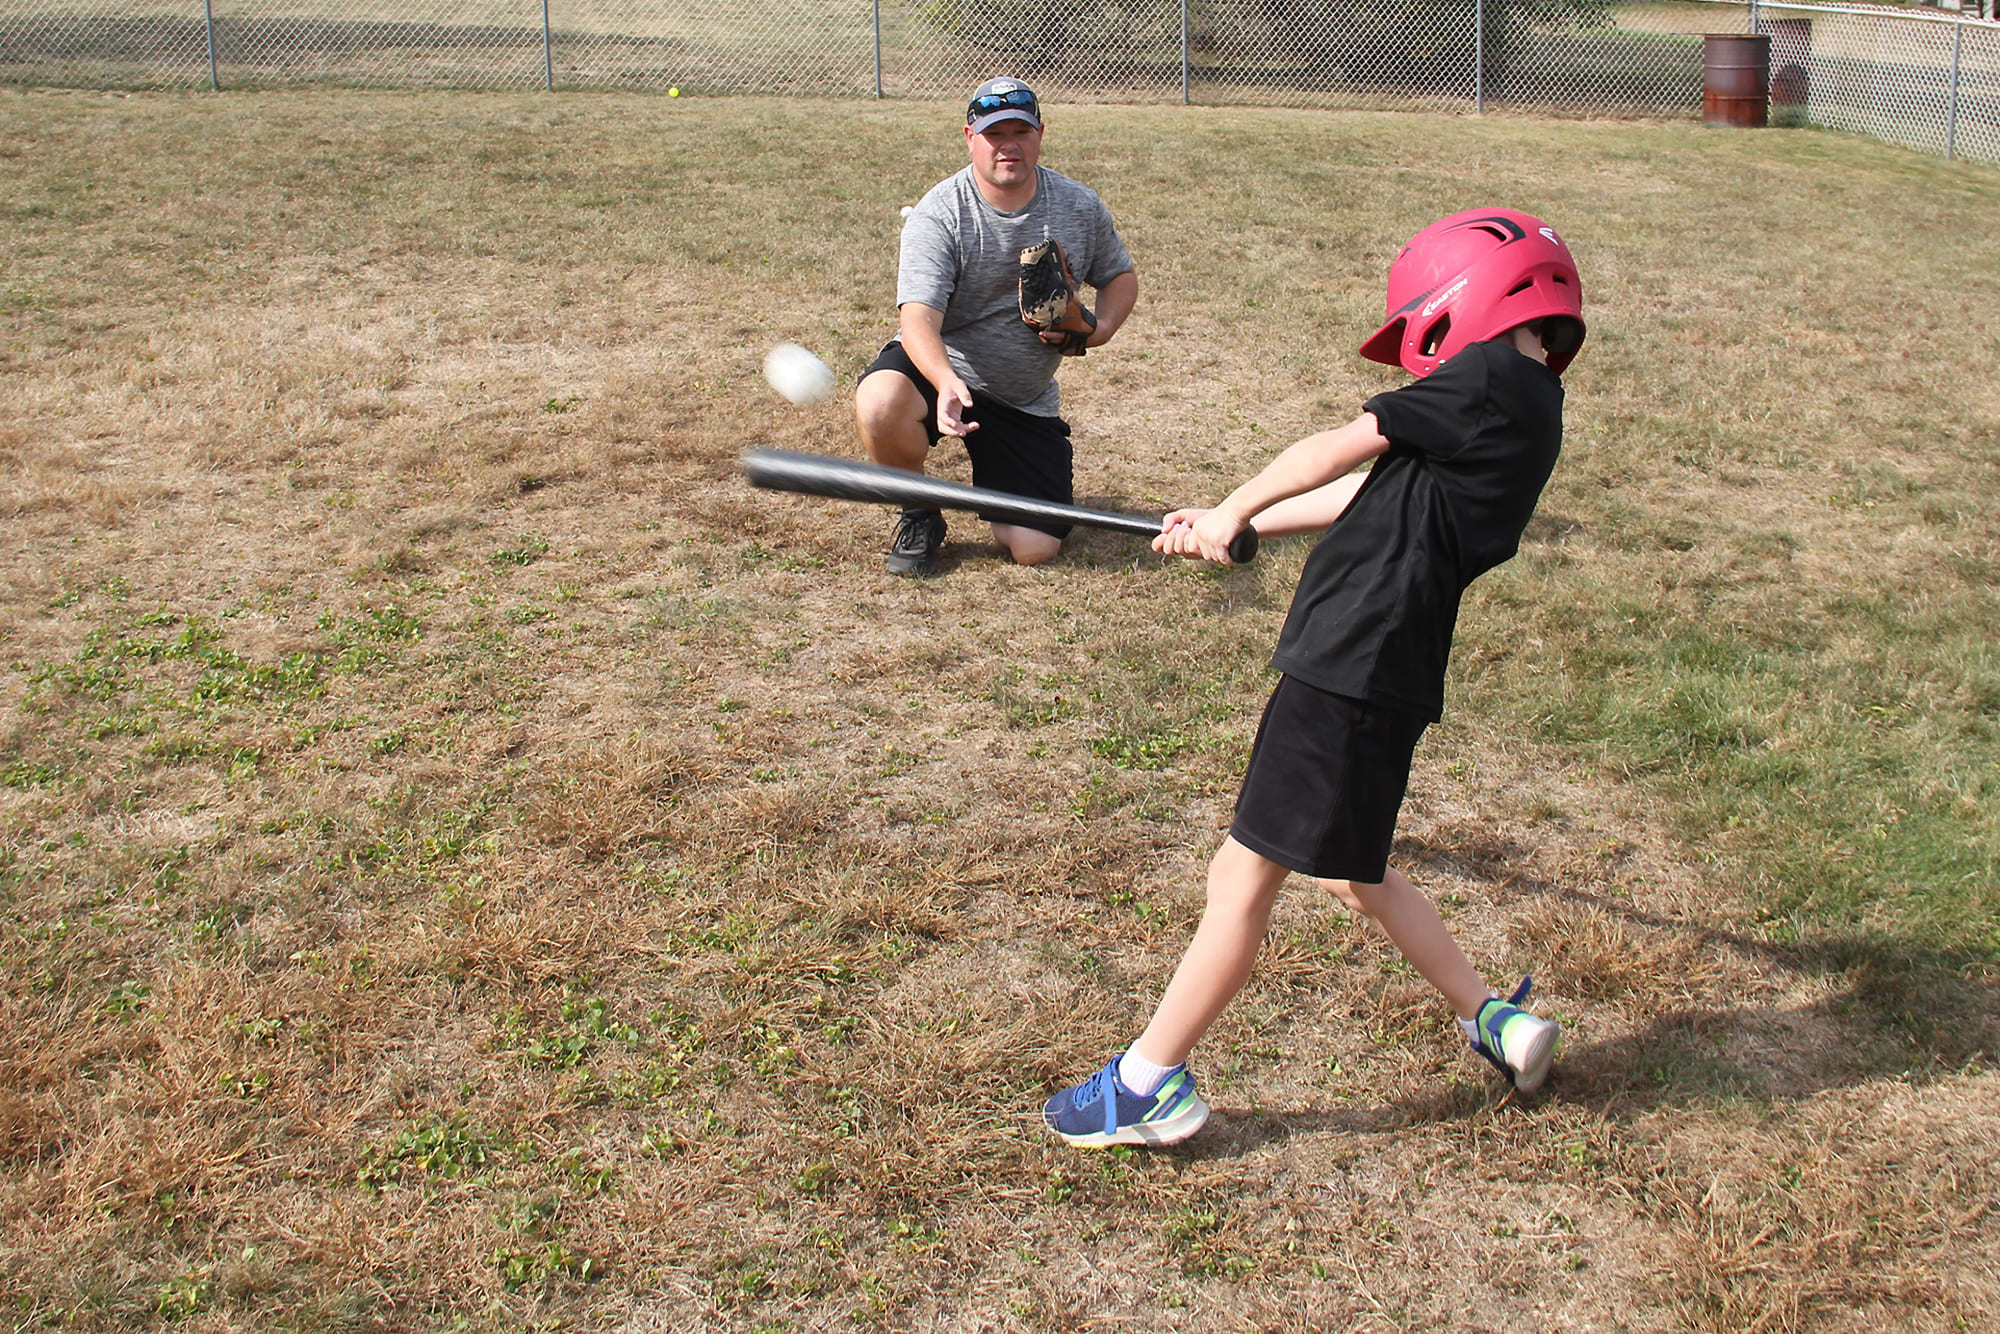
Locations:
1050 304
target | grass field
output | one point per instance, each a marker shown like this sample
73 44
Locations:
467 862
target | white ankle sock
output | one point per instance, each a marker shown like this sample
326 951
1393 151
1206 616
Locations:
1471 1026
1140 1075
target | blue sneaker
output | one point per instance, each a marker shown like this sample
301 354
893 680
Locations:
1519 1045
1101 1111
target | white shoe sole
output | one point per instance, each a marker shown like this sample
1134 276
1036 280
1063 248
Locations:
1532 1058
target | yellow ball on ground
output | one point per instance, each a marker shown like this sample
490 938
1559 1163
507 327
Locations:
673 92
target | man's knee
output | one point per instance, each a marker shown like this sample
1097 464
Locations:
886 394
1028 546
890 414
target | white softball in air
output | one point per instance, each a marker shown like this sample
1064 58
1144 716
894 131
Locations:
797 374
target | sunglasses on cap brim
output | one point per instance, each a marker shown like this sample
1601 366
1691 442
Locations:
1020 99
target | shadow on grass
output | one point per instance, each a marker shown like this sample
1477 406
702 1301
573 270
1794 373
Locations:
1894 1008
1691 1058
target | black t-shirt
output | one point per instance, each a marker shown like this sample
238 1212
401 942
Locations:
1470 448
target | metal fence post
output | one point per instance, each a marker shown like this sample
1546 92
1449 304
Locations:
878 48
208 26
1184 53
1951 115
1478 57
548 60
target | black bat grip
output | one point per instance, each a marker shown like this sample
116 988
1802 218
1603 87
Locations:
1243 547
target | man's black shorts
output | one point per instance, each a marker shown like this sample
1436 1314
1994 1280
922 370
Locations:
1326 778
1012 451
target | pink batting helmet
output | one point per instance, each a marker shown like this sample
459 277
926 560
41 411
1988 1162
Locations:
1473 276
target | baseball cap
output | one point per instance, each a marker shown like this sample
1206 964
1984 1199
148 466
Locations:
1002 99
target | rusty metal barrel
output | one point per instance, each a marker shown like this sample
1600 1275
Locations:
1735 79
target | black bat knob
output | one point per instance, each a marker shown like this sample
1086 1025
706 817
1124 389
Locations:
1243 547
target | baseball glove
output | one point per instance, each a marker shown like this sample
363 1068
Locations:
1049 301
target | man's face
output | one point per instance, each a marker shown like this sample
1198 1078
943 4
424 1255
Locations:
1004 156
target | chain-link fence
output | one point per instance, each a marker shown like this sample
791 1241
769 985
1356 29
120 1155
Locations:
1925 81
1921 79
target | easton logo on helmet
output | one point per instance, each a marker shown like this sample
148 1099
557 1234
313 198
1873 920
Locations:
1443 298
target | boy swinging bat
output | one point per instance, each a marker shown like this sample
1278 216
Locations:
1486 309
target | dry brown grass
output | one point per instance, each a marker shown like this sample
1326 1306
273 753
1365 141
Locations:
470 863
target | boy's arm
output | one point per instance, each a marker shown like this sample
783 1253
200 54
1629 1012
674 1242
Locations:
1305 488
1312 512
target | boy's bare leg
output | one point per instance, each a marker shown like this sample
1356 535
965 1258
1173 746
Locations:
1242 887
1407 915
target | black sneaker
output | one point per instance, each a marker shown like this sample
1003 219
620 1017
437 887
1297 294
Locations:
919 534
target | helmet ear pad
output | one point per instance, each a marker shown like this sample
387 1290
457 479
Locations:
1562 335
1473 276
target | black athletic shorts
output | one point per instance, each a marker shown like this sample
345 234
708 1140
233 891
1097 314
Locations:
1326 778
1012 451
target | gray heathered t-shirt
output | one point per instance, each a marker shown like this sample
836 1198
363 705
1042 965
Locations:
963 256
